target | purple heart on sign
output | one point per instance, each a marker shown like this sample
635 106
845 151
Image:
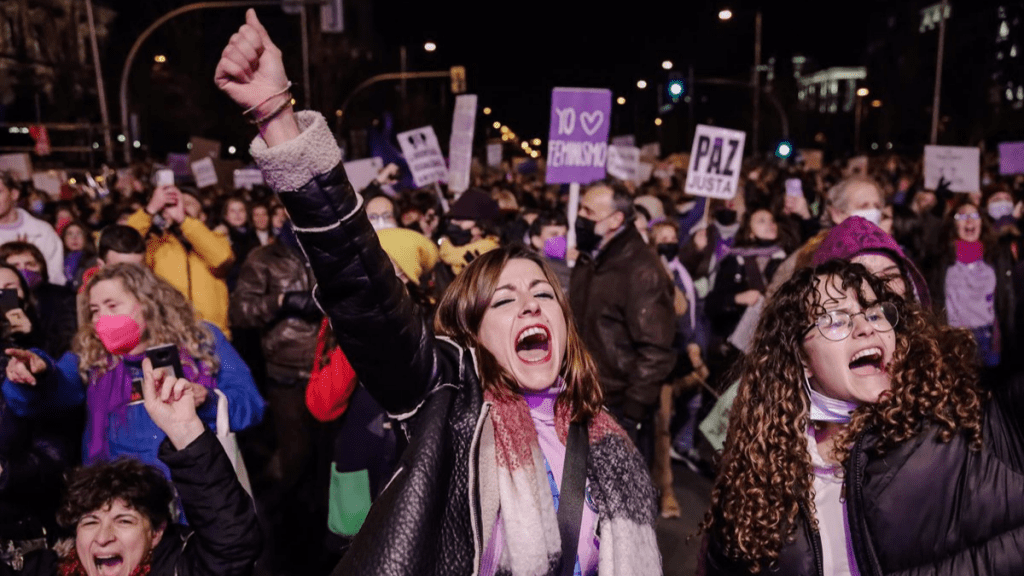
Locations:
578 137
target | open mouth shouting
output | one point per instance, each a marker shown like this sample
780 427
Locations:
109 564
533 344
868 362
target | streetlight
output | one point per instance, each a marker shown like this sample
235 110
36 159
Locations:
755 80
667 64
876 103
160 59
536 142
496 125
641 84
862 92
487 111
858 113
430 46
657 121
725 14
620 100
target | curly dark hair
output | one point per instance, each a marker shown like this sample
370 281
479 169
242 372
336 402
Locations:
140 486
765 475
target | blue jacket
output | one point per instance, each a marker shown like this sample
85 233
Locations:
61 388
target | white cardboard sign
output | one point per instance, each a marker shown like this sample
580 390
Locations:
715 162
247 178
959 165
423 154
362 172
205 173
494 155
624 163
460 147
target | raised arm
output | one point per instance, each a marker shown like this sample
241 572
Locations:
377 325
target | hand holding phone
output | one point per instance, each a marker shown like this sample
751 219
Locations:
9 300
165 177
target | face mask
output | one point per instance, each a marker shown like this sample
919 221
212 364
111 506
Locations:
586 238
873 215
825 409
457 235
725 216
669 250
1000 208
119 334
32 278
382 223
555 247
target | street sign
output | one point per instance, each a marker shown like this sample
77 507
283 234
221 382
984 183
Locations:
715 162
578 136
423 154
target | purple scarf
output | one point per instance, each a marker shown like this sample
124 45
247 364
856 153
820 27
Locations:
110 391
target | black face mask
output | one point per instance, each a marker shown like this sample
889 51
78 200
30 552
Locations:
586 238
669 250
725 216
457 236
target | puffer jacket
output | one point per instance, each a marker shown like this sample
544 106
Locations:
428 518
623 302
927 508
288 341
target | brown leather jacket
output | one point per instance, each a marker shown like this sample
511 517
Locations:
288 340
623 302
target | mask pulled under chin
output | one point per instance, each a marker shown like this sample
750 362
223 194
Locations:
120 334
825 409
873 215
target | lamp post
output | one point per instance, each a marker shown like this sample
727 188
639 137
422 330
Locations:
858 112
755 80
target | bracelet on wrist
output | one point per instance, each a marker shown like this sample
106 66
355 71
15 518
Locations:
264 118
269 98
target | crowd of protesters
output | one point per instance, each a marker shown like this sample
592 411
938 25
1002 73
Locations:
414 380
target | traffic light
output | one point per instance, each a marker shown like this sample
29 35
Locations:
676 89
784 150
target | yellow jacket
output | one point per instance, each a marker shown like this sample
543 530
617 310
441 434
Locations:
197 273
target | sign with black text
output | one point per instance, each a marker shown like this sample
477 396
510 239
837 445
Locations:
715 161
423 154
957 166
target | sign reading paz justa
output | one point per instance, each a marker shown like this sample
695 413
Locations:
958 165
715 162
423 154
578 137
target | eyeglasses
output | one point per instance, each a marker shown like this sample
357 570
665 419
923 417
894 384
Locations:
837 325
967 216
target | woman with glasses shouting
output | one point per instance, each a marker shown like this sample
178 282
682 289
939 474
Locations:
861 443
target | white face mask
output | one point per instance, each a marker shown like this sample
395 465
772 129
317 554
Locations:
379 224
825 409
1000 209
873 215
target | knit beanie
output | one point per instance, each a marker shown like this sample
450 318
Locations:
474 204
411 251
856 236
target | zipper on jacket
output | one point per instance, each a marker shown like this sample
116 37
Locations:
856 503
474 504
815 537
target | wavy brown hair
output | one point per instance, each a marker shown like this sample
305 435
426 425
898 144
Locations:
765 475
462 309
170 319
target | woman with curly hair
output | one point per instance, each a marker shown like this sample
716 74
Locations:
124 310
860 443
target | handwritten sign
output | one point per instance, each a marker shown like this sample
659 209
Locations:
1011 158
460 147
205 173
958 165
578 137
624 163
715 162
423 154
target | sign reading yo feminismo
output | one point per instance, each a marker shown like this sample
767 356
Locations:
578 138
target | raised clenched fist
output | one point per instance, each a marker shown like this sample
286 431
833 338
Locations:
251 69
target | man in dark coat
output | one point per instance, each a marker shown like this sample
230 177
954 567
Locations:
622 300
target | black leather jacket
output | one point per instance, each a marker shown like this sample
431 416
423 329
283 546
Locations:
427 520
927 507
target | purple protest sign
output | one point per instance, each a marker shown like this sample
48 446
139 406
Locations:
1011 158
578 138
